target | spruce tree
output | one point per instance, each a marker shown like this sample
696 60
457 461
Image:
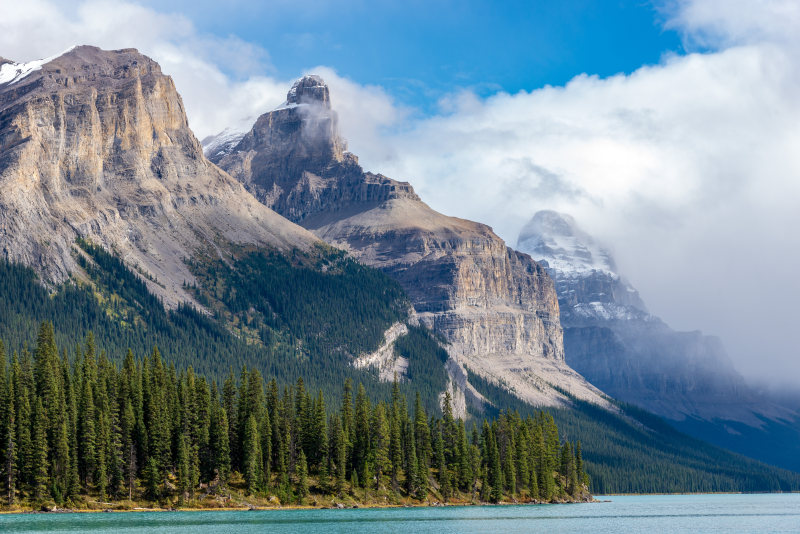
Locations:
220 444
251 449
39 469
380 443
10 445
301 468
339 455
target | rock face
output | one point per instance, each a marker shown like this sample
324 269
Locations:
496 307
613 341
96 144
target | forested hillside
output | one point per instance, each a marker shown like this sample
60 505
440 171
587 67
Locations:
81 429
638 452
285 320
634 453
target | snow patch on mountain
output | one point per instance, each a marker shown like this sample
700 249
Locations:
13 72
554 238
224 142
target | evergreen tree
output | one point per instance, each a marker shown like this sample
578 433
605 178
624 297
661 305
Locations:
339 455
302 476
220 445
380 443
91 428
39 468
362 432
251 445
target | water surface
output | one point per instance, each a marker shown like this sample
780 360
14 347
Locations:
647 514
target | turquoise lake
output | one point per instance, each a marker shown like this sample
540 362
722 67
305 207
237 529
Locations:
646 514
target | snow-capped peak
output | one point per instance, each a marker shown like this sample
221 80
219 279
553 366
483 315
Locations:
14 72
224 142
555 238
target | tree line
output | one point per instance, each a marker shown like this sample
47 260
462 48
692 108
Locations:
75 426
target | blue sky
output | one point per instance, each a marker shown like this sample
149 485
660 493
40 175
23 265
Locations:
420 50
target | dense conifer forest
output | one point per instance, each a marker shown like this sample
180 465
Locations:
638 452
629 452
78 429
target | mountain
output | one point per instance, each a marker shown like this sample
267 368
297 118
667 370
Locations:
96 144
612 340
496 308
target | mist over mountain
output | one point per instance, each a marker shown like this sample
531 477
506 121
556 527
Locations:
612 340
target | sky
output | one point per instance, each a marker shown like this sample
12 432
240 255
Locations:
668 128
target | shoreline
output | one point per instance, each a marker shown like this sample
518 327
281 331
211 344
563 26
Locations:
595 499
288 507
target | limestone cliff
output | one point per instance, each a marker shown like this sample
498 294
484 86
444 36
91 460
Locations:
496 307
96 144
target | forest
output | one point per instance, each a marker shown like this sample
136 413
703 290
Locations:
628 452
78 430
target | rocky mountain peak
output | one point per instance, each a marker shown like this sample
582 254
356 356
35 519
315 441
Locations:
295 161
586 277
95 144
309 89
556 238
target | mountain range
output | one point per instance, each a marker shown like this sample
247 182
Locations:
274 249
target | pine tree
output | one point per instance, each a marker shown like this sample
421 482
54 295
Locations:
412 473
40 460
251 448
21 389
229 406
348 425
495 469
339 455
362 432
152 479
220 443
183 469
424 450
583 478
380 443
128 424
301 468
10 446
265 432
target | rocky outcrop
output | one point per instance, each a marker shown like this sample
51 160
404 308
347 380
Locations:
96 144
385 360
612 340
495 307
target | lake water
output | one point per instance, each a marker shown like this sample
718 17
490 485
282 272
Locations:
645 514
